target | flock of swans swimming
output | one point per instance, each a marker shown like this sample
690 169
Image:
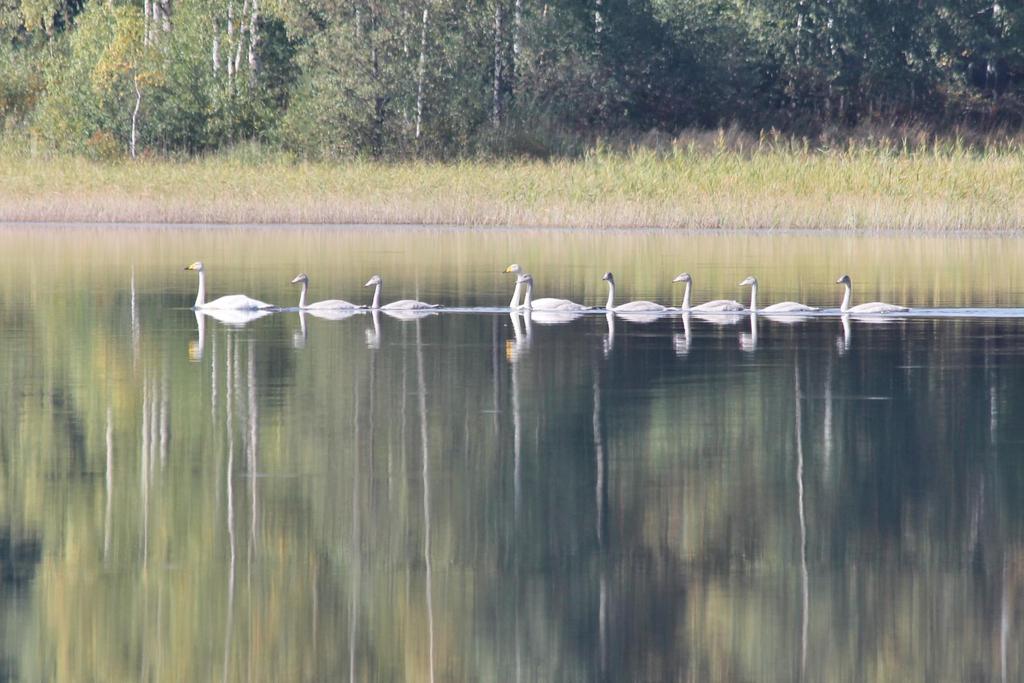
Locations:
523 301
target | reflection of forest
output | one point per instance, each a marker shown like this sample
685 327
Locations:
437 504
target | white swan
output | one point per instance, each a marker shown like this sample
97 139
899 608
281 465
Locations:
781 307
234 302
516 270
716 306
326 305
546 304
873 307
637 306
400 305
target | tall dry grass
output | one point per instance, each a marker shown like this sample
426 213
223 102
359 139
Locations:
721 179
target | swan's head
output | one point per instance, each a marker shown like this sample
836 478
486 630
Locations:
197 265
844 280
682 277
375 280
524 279
301 277
514 268
751 280
608 277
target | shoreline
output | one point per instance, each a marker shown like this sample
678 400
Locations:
861 191
11 225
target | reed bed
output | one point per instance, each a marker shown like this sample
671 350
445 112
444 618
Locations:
718 183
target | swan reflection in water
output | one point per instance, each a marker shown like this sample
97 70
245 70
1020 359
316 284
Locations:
609 340
231 317
843 344
300 335
520 346
373 337
681 342
748 340
554 317
726 319
640 318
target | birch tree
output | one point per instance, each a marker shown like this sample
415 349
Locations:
122 65
497 82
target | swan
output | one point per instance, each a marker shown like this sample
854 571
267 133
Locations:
546 304
234 302
873 307
400 305
327 305
516 270
781 307
637 306
716 306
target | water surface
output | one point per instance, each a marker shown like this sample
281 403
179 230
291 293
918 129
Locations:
488 497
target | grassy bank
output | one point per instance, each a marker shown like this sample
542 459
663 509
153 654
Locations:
877 186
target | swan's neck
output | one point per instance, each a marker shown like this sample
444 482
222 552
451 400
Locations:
201 296
753 298
611 296
302 297
846 298
514 303
528 301
686 298
376 297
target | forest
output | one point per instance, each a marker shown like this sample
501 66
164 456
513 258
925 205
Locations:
451 79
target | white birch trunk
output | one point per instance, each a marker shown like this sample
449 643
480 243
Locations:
496 87
230 40
216 45
254 42
517 25
145 22
165 15
135 114
242 30
421 72
156 20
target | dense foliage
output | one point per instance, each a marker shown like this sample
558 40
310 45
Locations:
330 78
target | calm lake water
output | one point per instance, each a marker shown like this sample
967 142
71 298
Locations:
481 497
